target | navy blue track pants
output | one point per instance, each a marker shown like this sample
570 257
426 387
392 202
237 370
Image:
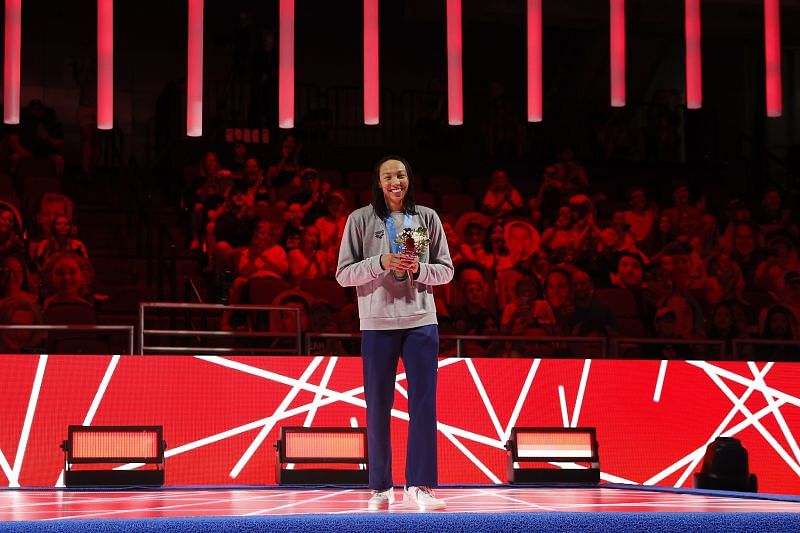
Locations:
380 351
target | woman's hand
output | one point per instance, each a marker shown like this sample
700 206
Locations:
400 263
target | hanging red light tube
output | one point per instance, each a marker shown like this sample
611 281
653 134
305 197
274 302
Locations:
194 72
617 19
694 65
11 75
772 50
534 13
455 91
286 64
105 64
371 64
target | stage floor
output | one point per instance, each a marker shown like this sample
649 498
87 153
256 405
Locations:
95 504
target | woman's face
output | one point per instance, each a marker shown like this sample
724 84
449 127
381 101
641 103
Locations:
62 226
744 240
473 235
6 222
557 289
263 234
211 164
311 237
664 224
67 277
723 318
12 274
335 206
779 325
564 219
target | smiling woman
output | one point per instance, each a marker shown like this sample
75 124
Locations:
398 318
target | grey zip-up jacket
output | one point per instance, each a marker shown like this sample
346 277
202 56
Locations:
383 301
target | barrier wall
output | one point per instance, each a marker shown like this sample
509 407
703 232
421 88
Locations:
221 415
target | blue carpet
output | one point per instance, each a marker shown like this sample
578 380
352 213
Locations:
436 523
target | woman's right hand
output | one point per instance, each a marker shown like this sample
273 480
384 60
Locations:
397 262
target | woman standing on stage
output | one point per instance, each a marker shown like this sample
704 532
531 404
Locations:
398 318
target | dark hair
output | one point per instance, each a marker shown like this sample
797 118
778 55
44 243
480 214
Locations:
767 333
470 265
379 202
618 257
487 238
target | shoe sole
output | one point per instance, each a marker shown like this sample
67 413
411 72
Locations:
410 504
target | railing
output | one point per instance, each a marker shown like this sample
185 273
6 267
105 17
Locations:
790 349
48 328
216 333
513 346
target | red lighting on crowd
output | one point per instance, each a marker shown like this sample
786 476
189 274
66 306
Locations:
534 60
105 64
286 65
694 65
11 77
194 74
617 53
772 49
371 64
455 92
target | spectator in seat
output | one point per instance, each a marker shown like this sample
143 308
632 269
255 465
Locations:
238 159
587 307
293 229
774 217
313 197
685 217
20 311
38 135
49 206
779 324
61 240
11 234
322 319
629 273
570 173
495 255
664 328
453 242
212 182
746 251
15 279
641 217
68 277
228 229
309 260
617 237
501 198
725 280
781 259
790 297
661 236
286 321
252 178
285 171
723 327
331 226
560 301
469 317
689 322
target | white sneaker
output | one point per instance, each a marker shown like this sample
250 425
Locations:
422 498
380 499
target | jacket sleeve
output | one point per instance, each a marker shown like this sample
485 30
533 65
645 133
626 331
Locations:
352 269
439 270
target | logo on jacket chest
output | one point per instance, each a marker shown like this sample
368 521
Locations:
379 234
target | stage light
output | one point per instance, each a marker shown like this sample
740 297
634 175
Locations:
105 64
553 445
94 445
694 70
772 52
534 60
617 26
455 91
11 68
339 446
286 64
726 467
371 64
194 71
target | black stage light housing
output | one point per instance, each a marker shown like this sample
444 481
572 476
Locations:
726 467
553 445
329 446
106 445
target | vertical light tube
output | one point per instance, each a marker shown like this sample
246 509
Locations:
371 64
694 58
617 20
105 64
772 49
194 73
11 77
534 60
455 91
286 64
